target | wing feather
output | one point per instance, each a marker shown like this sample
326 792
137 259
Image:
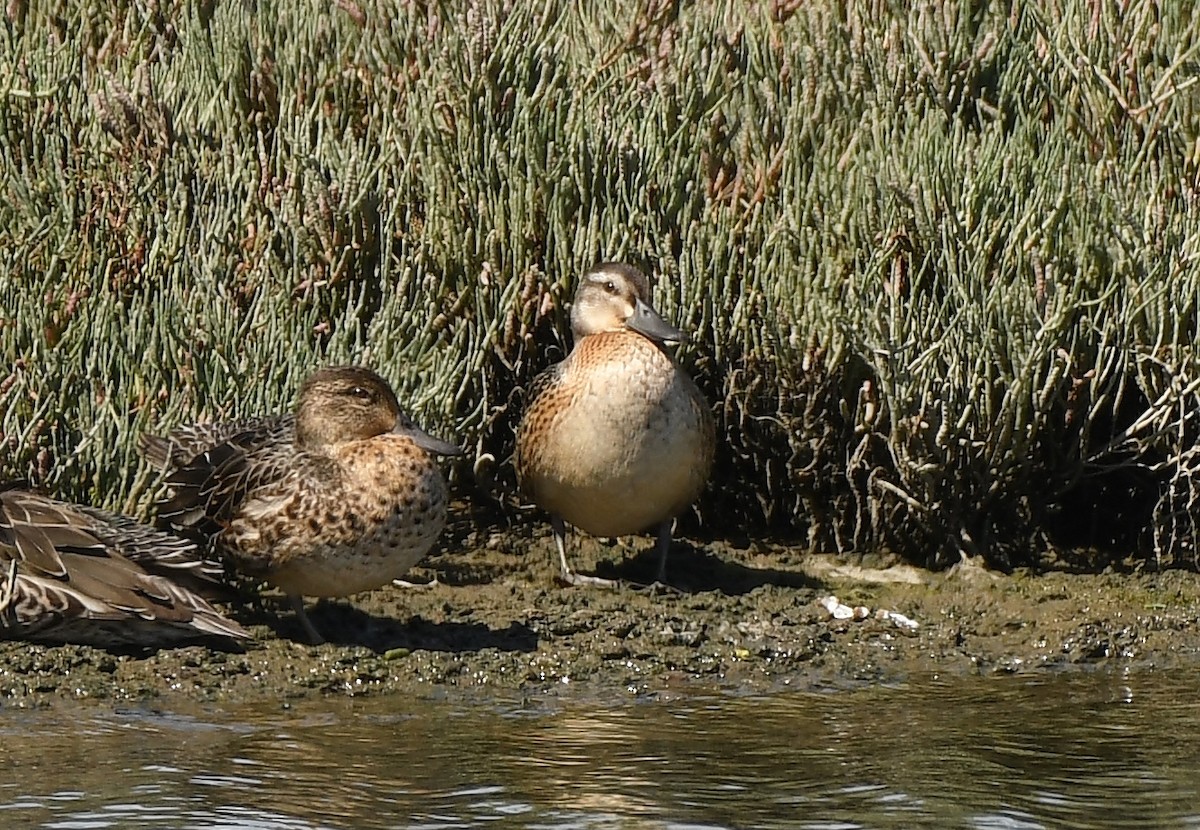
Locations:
79 574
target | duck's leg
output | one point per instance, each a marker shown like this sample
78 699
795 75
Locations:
569 576
297 603
664 547
560 541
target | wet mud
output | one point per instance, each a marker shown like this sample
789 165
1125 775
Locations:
747 617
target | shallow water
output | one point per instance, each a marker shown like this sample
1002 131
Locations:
1082 750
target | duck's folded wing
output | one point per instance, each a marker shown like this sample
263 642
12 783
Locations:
209 490
183 444
73 573
155 550
106 601
34 529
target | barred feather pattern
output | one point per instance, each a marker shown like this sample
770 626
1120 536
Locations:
77 574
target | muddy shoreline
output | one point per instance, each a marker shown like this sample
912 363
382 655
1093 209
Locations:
743 617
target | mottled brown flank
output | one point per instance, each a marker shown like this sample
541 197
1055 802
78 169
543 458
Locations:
384 516
75 574
369 526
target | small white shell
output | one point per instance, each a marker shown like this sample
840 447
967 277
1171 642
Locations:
898 619
840 611
829 603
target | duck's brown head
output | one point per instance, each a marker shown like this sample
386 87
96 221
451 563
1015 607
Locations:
613 296
338 404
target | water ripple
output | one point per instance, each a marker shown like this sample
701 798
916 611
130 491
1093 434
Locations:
1055 752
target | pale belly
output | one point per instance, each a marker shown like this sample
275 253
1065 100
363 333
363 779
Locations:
616 506
611 469
342 570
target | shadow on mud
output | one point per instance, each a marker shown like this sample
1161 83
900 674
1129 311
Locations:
346 625
695 569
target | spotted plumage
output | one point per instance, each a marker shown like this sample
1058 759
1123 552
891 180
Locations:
616 439
76 574
342 498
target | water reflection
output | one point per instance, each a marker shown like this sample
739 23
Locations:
1065 751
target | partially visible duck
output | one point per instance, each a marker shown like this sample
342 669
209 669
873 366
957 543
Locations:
76 574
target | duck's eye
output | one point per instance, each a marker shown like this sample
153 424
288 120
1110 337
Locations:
360 392
610 287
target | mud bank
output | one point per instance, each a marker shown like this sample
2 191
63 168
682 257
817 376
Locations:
746 618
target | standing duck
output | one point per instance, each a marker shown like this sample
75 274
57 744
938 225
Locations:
342 497
616 439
